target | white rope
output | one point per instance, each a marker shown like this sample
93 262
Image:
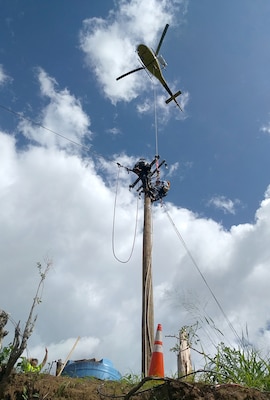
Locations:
113 228
156 127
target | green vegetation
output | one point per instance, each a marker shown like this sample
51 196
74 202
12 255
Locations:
4 355
242 365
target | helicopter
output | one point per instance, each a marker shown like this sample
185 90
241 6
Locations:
154 63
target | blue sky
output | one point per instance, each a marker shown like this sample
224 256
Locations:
58 67
216 53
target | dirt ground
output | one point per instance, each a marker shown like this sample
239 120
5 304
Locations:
35 386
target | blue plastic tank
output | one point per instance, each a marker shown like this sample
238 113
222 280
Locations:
102 369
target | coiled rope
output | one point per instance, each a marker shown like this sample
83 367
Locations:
113 227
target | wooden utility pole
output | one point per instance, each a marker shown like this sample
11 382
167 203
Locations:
147 289
143 170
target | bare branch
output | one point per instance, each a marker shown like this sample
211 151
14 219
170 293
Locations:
20 340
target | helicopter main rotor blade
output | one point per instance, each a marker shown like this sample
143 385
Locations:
130 72
161 39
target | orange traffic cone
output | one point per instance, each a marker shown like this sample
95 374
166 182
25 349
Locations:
157 362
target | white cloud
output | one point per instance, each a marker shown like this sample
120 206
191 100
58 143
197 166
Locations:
4 78
226 205
54 204
266 128
267 193
114 131
110 44
63 115
156 105
173 168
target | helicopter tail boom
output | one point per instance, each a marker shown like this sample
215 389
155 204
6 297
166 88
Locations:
173 97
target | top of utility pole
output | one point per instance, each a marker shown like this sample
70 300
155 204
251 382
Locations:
151 184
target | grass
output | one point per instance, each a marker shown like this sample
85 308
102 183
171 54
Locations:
243 365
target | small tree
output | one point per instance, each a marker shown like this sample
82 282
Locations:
20 339
187 335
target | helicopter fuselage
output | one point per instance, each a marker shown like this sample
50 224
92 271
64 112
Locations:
152 64
150 61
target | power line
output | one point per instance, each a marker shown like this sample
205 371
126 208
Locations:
17 114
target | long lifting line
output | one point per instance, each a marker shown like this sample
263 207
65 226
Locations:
201 274
156 133
156 127
113 227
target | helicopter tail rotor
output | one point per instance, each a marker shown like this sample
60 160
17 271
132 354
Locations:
173 97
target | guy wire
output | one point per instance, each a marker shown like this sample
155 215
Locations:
202 276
